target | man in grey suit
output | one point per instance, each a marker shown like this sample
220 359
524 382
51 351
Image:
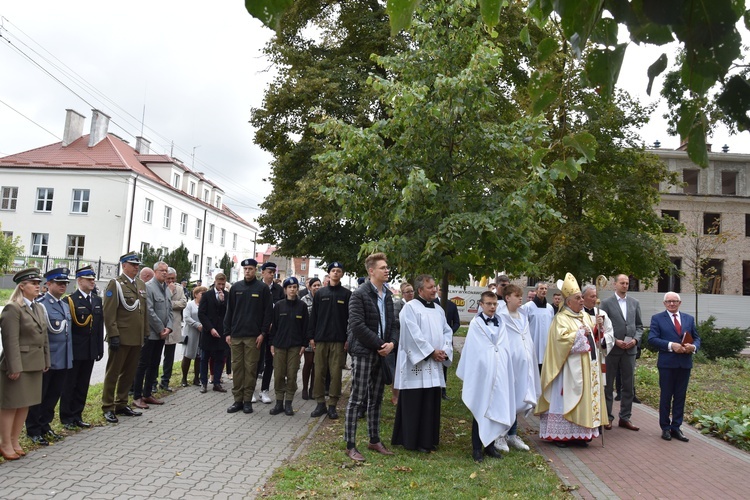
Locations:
159 312
625 314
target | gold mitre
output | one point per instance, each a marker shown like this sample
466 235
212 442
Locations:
569 286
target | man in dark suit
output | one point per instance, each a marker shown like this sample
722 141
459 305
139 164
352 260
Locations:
211 311
625 314
454 321
87 330
671 331
126 323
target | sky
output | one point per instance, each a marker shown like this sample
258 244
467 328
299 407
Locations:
197 67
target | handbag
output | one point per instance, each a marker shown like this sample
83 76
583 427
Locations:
388 368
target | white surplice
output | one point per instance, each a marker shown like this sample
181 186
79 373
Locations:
539 321
486 370
523 359
423 330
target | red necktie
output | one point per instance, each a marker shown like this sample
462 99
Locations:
677 325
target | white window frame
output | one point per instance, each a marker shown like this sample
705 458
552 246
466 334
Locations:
39 243
234 241
167 217
176 180
206 193
45 197
218 201
9 198
211 229
198 228
145 246
183 223
80 201
191 188
209 262
148 211
76 243
194 267
223 236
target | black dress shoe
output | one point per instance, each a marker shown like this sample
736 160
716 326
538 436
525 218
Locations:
319 410
332 413
128 412
247 407
444 395
618 397
110 417
82 424
39 440
666 435
53 436
478 456
490 451
678 435
236 406
204 389
636 400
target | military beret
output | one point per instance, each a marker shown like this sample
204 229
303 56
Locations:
335 264
249 262
291 280
268 265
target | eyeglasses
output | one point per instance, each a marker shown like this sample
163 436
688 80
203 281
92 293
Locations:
672 301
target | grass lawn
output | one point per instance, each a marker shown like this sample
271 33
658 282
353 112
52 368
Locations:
4 296
324 471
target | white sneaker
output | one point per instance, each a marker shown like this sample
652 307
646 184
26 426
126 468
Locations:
501 444
265 397
254 400
517 443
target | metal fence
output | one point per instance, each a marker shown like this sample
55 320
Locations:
104 270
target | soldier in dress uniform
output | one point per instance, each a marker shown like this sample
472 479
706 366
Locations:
126 322
87 330
61 357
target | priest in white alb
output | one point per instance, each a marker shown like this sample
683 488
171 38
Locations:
572 406
486 370
540 315
425 346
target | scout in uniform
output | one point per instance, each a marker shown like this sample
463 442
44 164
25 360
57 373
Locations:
126 322
61 357
87 330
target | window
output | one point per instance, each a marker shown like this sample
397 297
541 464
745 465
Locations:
8 234
183 223
39 242
44 199
210 233
209 261
711 223
194 267
713 271
670 214
168 217
746 277
75 245
218 201
9 198
198 228
669 279
164 251
191 190
635 284
176 181
303 266
145 247
728 182
147 210
80 203
234 241
690 178
205 195
747 224
223 236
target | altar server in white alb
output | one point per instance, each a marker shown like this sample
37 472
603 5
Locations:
487 372
425 346
526 387
540 315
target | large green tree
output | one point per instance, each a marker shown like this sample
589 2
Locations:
453 181
179 259
321 75
707 32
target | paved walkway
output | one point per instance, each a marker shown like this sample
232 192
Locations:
642 465
188 448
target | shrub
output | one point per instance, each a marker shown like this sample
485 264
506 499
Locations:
721 343
732 426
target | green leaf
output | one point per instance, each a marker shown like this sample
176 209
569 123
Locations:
603 67
655 70
491 10
697 141
569 168
400 12
582 142
524 36
268 11
605 32
578 18
734 101
546 48
542 101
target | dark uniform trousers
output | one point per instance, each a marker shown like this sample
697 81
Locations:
118 378
148 368
285 367
41 415
245 357
329 358
75 391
